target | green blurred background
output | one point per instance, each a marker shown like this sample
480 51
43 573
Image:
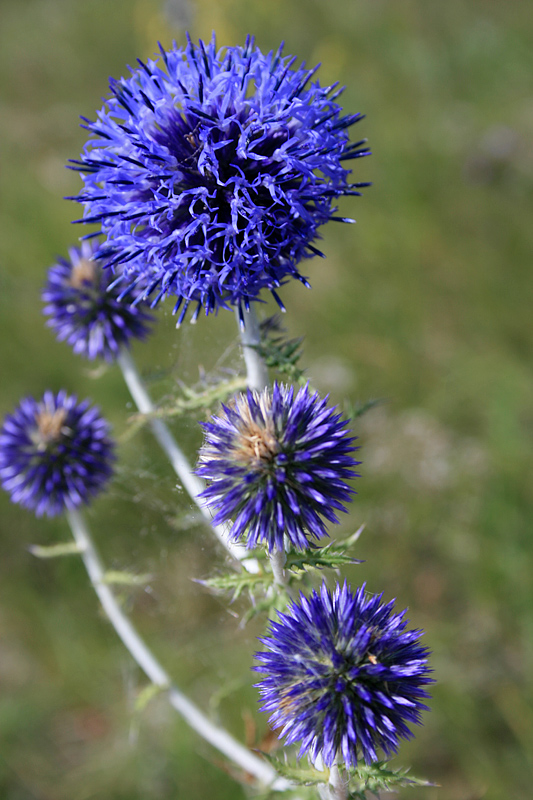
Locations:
426 303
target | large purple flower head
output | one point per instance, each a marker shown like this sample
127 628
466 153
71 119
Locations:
277 465
210 172
342 676
86 311
55 453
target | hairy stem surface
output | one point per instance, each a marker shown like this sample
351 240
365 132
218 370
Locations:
338 787
195 718
192 484
256 369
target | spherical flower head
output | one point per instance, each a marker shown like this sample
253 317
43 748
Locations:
342 675
277 465
88 307
55 453
210 172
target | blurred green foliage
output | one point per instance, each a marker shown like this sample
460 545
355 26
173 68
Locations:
426 303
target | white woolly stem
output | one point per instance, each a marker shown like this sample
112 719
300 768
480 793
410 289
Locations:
338 785
195 718
278 559
256 370
191 482
277 562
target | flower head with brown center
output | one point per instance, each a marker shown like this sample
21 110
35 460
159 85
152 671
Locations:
87 307
55 453
277 463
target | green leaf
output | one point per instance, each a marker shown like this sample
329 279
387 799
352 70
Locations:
55 550
333 556
325 558
378 777
356 410
146 695
237 582
267 596
303 776
352 538
122 578
267 605
279 353
191 401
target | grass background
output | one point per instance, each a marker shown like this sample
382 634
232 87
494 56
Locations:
426 302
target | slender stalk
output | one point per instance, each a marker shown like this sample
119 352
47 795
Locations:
256 370
338 786
277 562
195 718
322 788
278 559
191 482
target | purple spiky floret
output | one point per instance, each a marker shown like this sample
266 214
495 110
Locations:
343 676
84 310
55 453
277 463
210 172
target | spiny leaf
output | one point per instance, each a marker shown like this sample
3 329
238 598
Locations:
203 401
261 584
356 410
280 353
333 555
268 605
304 776
352 538
325 558
379 777
237 582
192 401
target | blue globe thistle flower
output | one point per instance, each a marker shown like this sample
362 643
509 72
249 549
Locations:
277 466
86 311
210 172
55 453
342 675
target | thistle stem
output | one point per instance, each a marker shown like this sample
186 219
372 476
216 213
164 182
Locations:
338 786
191 483
277 562
195 718
256 369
